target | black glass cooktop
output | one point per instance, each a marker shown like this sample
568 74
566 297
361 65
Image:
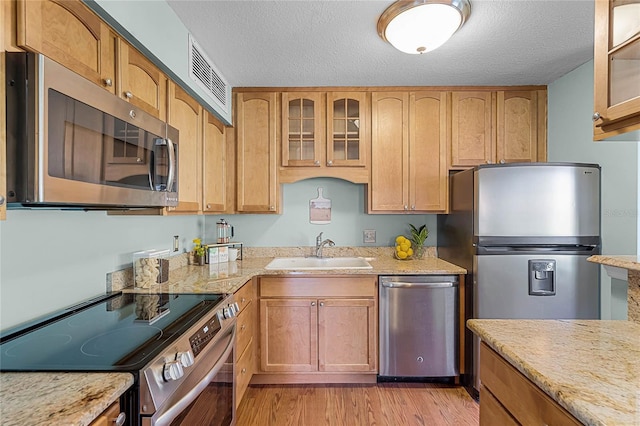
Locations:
120 333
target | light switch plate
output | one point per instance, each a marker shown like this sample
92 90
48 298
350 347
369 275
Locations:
369 235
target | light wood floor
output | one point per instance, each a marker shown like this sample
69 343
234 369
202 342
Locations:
382 404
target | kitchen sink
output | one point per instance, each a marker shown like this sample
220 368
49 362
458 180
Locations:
317 263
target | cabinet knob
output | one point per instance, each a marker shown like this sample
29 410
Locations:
108 82
208 206
244 370
313 303
330 163
119 421
502 161
128 95
406 207
413 207
596 116
243 300
321 303
272 207
2 200
316 163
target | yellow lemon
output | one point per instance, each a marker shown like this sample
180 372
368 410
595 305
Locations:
398 248
405 246
409 251
402 255
399 239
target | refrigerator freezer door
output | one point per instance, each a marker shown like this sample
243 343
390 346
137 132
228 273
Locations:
537 201
516 286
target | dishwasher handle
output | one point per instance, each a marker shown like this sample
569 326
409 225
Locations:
402 284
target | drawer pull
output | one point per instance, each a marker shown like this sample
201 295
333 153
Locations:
243 300
243 327
244 370
119 421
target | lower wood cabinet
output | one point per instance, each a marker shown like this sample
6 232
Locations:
318 325
245 333
507 397
109 416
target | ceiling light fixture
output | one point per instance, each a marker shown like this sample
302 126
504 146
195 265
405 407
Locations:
420 26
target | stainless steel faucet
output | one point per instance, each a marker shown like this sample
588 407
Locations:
320 244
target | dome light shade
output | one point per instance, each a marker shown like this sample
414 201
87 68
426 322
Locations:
420 26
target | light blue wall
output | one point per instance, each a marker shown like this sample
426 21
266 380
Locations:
52 259
570 138
348 219
160 34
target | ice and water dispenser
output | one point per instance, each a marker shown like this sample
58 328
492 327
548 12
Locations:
542 277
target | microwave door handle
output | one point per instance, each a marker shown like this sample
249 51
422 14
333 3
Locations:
172 165
152 169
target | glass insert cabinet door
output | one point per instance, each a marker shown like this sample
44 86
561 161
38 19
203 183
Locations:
617 60
346 129
323 129
302 129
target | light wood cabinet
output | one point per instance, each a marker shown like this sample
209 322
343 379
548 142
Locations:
324 134
245 337
471 129
616 68
318 325
506 126
185 114
508 397
257 188
214 156
140 82
408 154
108 416
70 34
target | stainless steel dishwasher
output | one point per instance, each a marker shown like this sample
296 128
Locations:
418 326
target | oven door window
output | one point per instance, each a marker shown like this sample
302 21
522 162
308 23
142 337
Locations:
88 145
215 404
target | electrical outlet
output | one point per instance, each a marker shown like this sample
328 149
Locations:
369 235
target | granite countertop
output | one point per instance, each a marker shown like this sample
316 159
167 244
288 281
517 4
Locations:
231 276
58 398
590 367
77 398
630 262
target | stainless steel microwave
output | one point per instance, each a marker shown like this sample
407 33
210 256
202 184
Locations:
72 144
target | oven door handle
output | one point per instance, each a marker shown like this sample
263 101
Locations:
172 412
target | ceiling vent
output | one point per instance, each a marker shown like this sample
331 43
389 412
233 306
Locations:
208 78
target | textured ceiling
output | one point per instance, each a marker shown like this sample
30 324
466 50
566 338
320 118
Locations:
335 43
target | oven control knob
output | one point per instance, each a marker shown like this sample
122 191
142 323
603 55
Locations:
185 358
235 307
228 312
172 371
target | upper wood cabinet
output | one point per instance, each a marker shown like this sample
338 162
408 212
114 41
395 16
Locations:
324 134
302 129
256 150
214 165
185 114
70 34
408 154
616 67
471 129
507 126
517 127
141 82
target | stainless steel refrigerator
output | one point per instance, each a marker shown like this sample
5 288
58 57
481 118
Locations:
524 233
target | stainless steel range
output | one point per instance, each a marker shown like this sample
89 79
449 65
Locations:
179 347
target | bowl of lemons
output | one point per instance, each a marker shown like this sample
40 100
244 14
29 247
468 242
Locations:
403 251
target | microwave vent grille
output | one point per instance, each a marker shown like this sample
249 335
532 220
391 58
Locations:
204 73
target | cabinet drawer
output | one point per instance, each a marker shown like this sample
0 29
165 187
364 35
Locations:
108 416
244 371
524 400
245 295
355 286
492 412
244 328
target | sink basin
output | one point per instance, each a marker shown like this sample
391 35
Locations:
314 263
